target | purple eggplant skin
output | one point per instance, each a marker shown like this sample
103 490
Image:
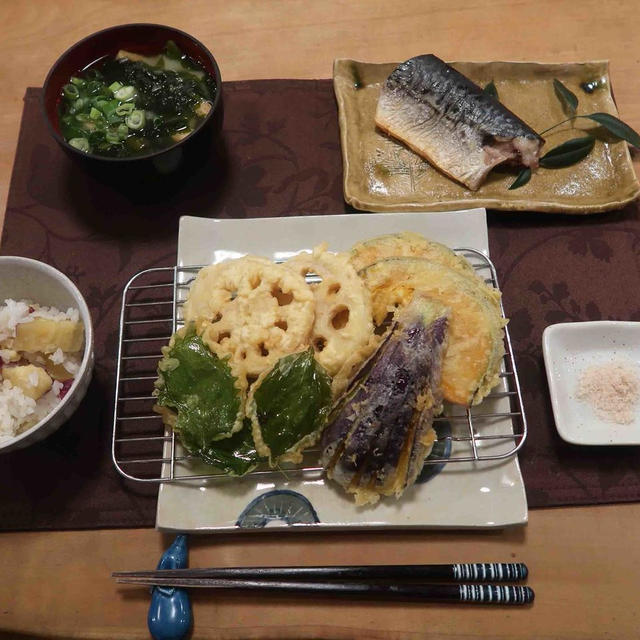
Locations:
382 410
433 405
340 422
426 345
395 410
374 446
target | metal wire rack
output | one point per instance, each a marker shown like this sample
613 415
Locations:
143 450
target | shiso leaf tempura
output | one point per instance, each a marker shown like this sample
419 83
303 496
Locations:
289 406
198 394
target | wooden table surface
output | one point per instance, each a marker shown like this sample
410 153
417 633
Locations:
584 562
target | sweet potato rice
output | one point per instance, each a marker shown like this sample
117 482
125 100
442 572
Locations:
40 354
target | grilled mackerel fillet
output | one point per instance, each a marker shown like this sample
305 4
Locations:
450 121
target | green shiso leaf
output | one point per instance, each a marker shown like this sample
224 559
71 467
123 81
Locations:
491 90
292 402
235 455
522 178
567 98
568 153
616 127
200 387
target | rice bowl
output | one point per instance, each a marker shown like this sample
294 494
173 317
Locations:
38 362
46 350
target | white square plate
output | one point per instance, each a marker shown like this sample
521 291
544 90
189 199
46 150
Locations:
570 348
487 494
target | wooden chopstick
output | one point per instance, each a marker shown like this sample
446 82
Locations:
478 572
452 593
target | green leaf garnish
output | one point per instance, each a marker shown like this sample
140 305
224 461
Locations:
490 89
568 153
200 387
577 149
235 455
616 127
522 178
567 98
292 404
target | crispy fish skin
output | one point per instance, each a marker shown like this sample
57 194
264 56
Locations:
450 121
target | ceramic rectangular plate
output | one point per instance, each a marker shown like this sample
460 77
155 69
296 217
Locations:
568 349
381 174
488 494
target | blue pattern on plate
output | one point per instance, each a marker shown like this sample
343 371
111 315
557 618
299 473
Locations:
441 450
280 505
170 610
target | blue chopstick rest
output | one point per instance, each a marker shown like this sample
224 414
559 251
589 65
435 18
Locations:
170 610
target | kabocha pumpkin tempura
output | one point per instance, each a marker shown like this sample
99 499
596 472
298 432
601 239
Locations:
358 356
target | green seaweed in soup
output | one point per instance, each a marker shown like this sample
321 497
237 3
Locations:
131 105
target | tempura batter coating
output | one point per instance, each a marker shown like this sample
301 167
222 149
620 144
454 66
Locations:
407 244
343 325
252 310
472 363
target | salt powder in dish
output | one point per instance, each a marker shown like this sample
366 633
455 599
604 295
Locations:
612 390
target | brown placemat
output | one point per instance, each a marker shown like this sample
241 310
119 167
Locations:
280 155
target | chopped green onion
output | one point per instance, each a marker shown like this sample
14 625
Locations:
123 131
94 114
77 81
109 108
125 109
70 130
135 120
71 91
112 137
79 103
124 93
93 87
115 86
82 144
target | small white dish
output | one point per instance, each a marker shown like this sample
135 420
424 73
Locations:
27 279
570 348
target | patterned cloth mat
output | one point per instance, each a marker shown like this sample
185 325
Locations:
279 156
